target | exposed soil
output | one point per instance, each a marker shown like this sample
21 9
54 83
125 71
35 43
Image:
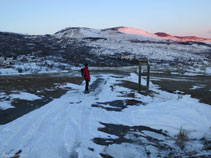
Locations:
134 86
117 105
105 155
185 84
144 136
133 135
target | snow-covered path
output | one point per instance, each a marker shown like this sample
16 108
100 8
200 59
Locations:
61 128
67 126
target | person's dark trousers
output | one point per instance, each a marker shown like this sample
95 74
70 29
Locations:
87 86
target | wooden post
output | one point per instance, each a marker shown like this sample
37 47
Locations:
140 74
139 78
148 74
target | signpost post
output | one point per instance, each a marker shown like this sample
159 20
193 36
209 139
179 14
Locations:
143 63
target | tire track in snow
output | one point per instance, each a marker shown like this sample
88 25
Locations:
82 144
58 129
34 131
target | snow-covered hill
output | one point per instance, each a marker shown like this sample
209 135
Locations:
105 47
110 33
76 32
83 32
135 43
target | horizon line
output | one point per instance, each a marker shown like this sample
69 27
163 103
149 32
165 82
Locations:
41 34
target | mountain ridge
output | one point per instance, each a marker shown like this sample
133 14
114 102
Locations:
182 38
81 32
108 47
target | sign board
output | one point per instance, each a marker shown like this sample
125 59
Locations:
143 62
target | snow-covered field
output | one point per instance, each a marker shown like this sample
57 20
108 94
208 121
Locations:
56 119
106 122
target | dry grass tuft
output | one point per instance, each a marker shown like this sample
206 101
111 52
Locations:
181 138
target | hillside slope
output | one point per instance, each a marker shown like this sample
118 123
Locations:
107 47
123 41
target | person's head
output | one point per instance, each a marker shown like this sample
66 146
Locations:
86 65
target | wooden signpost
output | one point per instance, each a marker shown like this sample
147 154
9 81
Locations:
143 63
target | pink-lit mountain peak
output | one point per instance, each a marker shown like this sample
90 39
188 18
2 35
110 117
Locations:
161 35
182 38
134 31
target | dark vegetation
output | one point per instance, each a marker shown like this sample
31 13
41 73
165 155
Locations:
72 51
168 42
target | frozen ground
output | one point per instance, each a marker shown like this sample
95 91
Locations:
113 120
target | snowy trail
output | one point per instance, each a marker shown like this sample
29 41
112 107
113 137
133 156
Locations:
57 124
59 129
66 127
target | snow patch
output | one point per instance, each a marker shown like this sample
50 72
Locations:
25 96
8 71
5 105
197 87
208 70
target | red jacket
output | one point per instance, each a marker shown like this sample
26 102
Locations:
86 73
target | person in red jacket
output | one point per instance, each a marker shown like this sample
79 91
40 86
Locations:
87 78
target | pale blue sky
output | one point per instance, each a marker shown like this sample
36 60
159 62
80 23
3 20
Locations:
177 17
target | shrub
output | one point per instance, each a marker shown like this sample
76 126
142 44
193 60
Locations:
181 138
20 70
